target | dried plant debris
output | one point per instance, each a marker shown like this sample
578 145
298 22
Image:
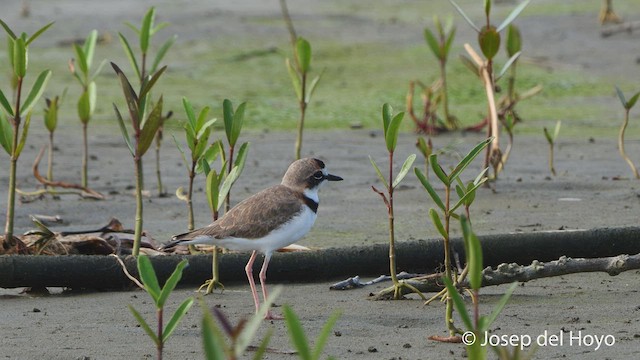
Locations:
112 238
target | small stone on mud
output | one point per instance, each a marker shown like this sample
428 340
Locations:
337 333
407 346
36 310
372 349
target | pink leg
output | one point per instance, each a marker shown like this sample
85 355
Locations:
249 270
263 284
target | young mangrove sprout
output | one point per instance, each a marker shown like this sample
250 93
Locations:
87 100
445 210
145 124
391 126
551 139
11 138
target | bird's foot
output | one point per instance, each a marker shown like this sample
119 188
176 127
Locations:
271 316
210 285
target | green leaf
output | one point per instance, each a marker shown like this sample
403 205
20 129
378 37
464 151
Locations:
213 189
84 107
226 186
295 79
238 120
470 65
144 325
391 137
148 132
433 43
437 169
467 19
547 135
92 97
89 47
489 40
621 97
312 87
36 91
171 282
6 133
130 96
556 131
212 340
123 130
241 157
468 195
377 169
176 317
303 54
82 60
321 341
209 156
207 125
435 219
23 136
20 57
469 158
227 112
514 40
145 29
201 121
130 55
162 52
262 349
487 8
5 104
458 303
387 113
148 277
425 183
51 114
632 100
499 306
191 124
406 166
147 85
39 32
473 253
508 64
200 144
448 42
512 16
296 332
8 30
252 326
98 70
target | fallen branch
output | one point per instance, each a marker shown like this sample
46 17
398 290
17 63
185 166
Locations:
84 191
508 273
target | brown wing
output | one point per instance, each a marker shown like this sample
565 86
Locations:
255 216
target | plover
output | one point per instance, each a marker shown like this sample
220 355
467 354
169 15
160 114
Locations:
269 220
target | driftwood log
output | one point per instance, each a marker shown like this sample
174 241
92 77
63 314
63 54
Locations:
424 256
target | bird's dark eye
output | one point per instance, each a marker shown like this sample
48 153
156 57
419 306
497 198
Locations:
318 175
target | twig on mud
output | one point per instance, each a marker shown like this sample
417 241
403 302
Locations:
508 273
354 282
84 191
126 272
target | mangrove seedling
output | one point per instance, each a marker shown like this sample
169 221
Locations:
145 34
627 105
428 121
477 326
159 296
466 195
489 41
11 138
426 149
197 131
87 100
145 124
233 120
51 123
391 125
299 339
551 139
299 72
440 46
218 186
214 337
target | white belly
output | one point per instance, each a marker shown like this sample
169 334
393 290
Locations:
286 235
